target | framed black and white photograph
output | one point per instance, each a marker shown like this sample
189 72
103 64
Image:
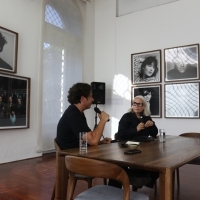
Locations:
182 100
182 63
8 50
146 67
152 94
14 101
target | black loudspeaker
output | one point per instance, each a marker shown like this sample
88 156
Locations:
98 91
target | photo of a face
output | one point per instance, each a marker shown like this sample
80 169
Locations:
152 97
147 95
149 69
8 50
182 63
179 64
146 67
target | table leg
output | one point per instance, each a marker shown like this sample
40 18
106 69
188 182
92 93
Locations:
166 182
61 178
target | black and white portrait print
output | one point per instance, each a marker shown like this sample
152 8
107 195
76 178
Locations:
152 94
146 67
8 50
181 63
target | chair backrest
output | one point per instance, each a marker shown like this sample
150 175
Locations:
191 134
95 168
56 145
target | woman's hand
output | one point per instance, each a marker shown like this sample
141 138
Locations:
149 123
140 127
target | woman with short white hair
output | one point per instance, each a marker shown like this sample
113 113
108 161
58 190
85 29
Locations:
137 122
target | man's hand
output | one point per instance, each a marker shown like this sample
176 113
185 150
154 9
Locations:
104 116
105 141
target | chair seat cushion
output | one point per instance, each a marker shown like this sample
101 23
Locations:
82 176
105 192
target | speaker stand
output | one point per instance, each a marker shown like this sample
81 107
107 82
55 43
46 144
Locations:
95 125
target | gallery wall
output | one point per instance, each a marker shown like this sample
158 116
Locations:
161 27
24 17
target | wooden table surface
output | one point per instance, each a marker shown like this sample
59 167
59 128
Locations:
162 157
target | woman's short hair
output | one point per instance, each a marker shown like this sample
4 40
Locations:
77 91
148 61
146 111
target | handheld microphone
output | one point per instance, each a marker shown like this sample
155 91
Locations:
98 111
141 118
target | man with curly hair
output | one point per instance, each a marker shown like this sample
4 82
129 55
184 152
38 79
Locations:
73 121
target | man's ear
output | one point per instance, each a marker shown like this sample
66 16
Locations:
82 99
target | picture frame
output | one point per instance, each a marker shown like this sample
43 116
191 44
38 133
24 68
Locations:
8 50
146 67
182 100
153 96
14 102
181 63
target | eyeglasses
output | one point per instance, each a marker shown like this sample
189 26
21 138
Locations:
138 104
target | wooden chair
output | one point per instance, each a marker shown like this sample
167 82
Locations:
100 169
138 183
60 166
196 161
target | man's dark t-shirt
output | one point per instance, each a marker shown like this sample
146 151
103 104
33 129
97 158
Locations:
70 124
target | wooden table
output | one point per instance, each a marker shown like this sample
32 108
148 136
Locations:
161 157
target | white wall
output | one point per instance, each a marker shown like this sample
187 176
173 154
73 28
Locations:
88 71
165 26
24 17
105 63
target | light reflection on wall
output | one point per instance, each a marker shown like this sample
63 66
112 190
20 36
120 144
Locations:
121 91
122 86
114 126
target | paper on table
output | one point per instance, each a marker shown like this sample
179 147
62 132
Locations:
132 143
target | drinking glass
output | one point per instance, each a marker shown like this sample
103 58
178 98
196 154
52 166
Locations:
162 135
83 142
